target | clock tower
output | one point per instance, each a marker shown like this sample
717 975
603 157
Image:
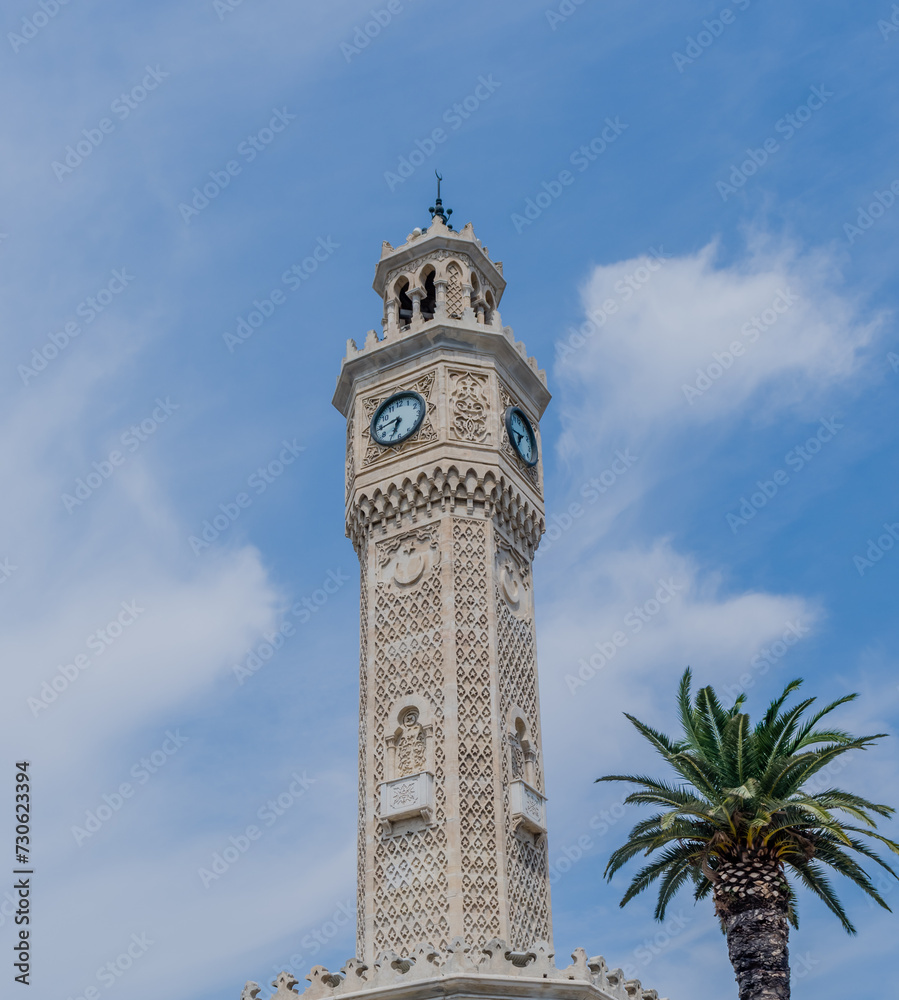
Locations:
444 506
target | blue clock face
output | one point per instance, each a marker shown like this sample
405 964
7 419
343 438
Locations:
398 418
521 435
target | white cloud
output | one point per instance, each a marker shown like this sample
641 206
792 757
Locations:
661 324
618 636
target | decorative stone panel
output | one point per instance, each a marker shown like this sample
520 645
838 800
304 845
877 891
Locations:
402 798
527 807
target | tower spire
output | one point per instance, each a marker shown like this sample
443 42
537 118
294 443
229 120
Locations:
437 209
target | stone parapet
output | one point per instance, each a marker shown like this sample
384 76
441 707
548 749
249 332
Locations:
494 973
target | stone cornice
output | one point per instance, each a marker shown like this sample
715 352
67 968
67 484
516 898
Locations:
497 973
377 356
440 490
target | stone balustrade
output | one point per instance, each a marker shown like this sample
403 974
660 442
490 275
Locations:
392 972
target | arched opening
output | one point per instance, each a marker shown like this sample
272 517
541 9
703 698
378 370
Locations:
490 305
477 303
401 290
429 302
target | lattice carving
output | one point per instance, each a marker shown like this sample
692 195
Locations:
454 295
528 863
516 755
375 452
410 879
528 471
361 887
478 822
469 407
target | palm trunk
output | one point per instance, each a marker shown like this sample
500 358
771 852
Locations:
752 899
757 945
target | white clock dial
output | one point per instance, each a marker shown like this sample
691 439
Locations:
398 418
521 435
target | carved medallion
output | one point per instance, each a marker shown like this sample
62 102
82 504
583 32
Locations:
469 407
405 560
513 578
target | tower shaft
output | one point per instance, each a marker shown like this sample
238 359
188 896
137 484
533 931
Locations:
452 827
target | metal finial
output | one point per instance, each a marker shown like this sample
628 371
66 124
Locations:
437 208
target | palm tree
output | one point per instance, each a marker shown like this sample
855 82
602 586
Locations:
744 814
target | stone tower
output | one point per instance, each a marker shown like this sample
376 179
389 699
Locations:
444 506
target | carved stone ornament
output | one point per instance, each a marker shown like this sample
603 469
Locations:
405 798
469 407
437 490
415 266
493 959
284 984
528 806
350 456
513 576
411 747
405 561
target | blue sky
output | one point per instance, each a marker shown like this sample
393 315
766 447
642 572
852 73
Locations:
715 192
